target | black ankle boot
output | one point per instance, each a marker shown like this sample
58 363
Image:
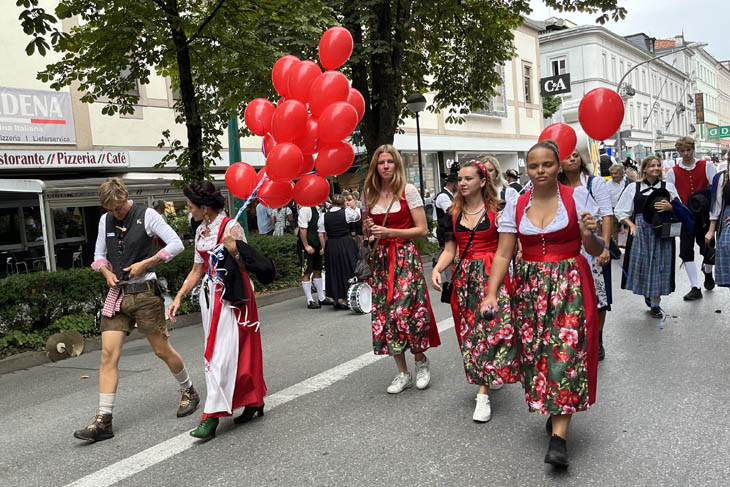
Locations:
557 454
248 413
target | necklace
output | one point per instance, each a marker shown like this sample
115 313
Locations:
478 210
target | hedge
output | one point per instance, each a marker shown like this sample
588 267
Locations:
34 306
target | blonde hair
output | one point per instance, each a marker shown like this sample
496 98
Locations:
112 191
489 192
684 142
644 164
338 199
499 181
373 184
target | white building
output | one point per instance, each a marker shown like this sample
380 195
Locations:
655 108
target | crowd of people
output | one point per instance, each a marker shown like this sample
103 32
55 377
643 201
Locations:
529 286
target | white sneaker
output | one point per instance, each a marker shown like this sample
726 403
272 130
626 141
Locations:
423 374
495 387
401 381
483 411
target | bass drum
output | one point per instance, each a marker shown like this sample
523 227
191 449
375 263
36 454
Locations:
360 298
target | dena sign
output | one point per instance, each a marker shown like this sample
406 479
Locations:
23 159
36 117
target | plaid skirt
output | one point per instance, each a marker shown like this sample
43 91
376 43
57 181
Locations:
651 262
722 252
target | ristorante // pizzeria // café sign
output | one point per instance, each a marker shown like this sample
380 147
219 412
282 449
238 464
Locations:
36 117
29 159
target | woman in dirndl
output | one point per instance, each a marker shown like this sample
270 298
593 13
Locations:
720 211
575 172
340 251
649 260
401 310
554 301
486 345
233 361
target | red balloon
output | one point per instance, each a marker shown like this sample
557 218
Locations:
355 98
269 143
311 190
241 179
334 159
301 78
563 135
283 162
307 164
258 115
335 47
330 87
308 142
275 194
600 113
337 122
280 74
288 122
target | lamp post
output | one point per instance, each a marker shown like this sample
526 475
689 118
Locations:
417 103
691 45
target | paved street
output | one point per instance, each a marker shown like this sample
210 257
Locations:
660 418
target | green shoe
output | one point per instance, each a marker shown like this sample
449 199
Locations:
206 429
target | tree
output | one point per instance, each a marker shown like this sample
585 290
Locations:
218 53
445 47
550 105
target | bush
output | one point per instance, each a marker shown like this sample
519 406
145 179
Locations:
283 249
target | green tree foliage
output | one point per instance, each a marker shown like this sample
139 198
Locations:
550 105
446 47
218 53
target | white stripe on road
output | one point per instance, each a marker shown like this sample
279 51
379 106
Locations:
143 460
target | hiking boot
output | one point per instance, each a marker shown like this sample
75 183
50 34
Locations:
557 454
99 430
189 401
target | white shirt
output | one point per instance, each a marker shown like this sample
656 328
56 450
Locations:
305 214
709 171
443 202
717 205
210 242
615 190
510 193
600 194
413 198
625 206
583 202
155 226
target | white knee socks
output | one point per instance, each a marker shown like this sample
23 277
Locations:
106 403
319 283
307 286
183 378
691 269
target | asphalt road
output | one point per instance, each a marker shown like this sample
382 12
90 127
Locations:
660 419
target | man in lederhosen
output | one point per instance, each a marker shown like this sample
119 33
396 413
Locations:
311 248
690 176
125 256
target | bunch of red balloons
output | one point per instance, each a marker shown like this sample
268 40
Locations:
317 111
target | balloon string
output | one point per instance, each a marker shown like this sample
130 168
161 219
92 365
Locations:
362 174
251 197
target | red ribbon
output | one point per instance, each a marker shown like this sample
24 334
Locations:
392 244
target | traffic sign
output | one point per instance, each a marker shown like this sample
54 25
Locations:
718 132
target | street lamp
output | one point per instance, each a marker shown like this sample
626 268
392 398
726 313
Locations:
417 103
691 45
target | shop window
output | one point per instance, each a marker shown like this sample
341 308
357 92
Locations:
10 228
33 225
430 168
68 224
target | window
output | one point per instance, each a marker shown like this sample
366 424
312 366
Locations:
68 223
32 220
126 72
638 114
498 103
527 81
631 113
558 66
643 80
10 228
621 69
613 69
605 65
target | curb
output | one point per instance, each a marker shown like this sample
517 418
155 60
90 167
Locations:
34 358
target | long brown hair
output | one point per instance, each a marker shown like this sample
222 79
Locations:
373 184
645 164
489 191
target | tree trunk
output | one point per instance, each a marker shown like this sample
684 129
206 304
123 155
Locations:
187 93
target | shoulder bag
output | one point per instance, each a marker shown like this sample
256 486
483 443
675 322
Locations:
448 286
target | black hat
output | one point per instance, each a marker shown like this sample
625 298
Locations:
699 201
512 173
452 177
651 215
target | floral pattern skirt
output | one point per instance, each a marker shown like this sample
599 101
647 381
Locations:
487 347
406 321
548 306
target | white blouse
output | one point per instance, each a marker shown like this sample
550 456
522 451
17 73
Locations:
204 244
717 205
413 198
351 216
625 206
510 193
615 190
508 222
600 193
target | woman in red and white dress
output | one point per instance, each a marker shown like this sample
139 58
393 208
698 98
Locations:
234 375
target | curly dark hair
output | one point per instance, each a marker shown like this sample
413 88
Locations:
204 193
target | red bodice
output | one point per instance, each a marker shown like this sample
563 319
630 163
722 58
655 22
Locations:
400 219
484 242
688 182
554 246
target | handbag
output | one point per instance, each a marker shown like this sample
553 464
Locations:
374 245
447 287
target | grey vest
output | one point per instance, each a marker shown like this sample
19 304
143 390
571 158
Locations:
127 241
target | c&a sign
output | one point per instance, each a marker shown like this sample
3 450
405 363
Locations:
36 117
555 85
24 159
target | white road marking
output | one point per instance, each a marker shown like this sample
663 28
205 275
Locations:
143 460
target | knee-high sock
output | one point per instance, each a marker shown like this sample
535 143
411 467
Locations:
106 403
707 268
183 378
307 286
691 269
320 288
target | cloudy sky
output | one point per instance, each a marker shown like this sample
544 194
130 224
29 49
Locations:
701 20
